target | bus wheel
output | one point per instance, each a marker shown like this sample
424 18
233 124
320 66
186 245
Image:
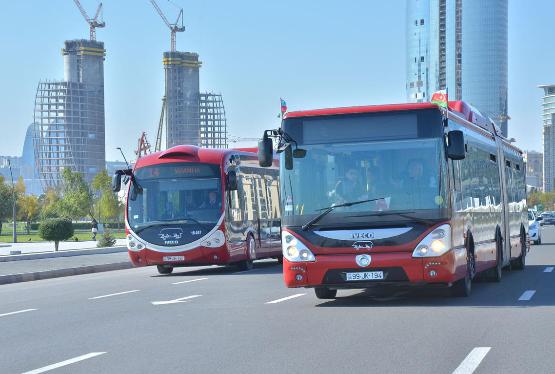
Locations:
497 271
463 287
325 293
164 269
520 262
248 264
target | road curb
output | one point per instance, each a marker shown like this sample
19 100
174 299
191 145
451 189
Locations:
67 253
58 273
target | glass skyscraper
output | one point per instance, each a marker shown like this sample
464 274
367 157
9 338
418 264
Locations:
461 45
548 114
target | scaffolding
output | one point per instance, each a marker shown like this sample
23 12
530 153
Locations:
69 125
213 124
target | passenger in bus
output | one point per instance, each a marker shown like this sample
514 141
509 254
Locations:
420 191
212 202
349 188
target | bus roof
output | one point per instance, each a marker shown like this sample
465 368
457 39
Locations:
189 153
458 108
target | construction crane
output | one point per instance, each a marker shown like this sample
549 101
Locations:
158 145
174 27
143 146
93 22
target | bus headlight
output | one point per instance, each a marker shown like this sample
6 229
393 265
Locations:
294 250
134 244
216 240
435 244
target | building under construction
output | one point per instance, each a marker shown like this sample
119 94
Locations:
192 117
69 115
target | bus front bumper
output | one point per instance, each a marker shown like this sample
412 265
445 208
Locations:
396 268
195 257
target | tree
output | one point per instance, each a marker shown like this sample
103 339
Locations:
106 203
28 210
77 201
48 204
6 201
56 230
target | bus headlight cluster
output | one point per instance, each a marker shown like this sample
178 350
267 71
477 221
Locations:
294 250
216 240
134 244
436 243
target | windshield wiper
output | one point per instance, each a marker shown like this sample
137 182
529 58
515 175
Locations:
327 210
404 215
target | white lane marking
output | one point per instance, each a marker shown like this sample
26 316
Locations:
64 363
548 269
527 295
175 301
191 280
286 298
112 294
17 312
471 362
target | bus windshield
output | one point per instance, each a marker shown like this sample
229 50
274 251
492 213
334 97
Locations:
181 193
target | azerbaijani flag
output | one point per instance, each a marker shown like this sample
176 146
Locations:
283 106
440 98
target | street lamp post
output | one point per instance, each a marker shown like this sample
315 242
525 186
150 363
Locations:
13 205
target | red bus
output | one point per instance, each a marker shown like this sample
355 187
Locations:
403 194
195 206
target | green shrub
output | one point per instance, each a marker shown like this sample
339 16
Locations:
56 230
107 239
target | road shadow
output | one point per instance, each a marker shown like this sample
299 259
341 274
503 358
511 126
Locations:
260 268
484 294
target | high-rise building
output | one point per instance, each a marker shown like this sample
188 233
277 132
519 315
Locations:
182 98
461 45
69 115
548 116
534 169
192 117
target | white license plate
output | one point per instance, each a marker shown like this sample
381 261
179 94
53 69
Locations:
173 258
365 275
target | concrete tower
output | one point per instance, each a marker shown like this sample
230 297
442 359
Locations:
69 115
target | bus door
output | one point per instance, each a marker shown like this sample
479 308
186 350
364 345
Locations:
505 226
234 219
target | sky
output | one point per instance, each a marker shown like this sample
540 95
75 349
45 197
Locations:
313 53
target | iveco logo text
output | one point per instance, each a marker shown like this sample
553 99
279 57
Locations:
362 235
363 244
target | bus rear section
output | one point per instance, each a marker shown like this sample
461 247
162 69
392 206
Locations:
178 211
397 195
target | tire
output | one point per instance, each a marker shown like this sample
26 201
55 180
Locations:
325 293
497 272
280 259
463 287
164 269
520 262
248 264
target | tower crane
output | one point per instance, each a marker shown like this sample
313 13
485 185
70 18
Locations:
158 145
143 146
174 27
93 22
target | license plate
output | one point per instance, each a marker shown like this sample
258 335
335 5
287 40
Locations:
173 258
366 275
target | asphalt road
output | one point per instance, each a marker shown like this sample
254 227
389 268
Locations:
218 320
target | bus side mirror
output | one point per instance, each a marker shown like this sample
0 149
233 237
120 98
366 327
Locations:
288 156
265 152
455 145
299 153
116 182
232 181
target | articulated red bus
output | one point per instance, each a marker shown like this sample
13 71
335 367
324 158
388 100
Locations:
398 195
195 206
